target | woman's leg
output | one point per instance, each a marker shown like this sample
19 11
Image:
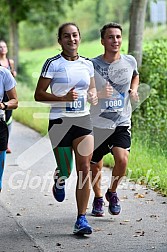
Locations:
83 148
3 145
9 124
61 146
64 159
2 162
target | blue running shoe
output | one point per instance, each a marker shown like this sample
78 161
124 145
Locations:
98 209
114 207
81 226
59 190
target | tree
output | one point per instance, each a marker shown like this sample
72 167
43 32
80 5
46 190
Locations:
137 20
4 20
119 10
18 10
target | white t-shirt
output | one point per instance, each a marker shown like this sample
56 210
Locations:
65 75
7 82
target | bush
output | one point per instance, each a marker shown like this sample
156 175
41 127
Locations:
35 36
91 34
151 118
23 75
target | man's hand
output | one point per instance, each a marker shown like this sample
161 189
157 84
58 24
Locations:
134 95
106 91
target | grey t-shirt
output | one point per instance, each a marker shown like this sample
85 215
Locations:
116 110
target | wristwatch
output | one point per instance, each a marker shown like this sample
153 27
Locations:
6 106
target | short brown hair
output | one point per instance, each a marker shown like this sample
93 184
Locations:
110 25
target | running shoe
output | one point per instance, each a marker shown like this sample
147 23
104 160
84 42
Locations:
81 226
59 190
98 209
114 207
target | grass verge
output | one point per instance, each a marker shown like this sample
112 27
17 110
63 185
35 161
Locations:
146 165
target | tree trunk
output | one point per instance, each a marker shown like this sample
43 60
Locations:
137 20
13 39
14 42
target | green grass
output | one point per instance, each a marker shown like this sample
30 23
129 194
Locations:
159 32
145 164
26 111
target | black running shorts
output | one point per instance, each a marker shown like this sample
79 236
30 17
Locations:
63 131
106 139
3 135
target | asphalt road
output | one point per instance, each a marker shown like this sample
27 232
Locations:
31 220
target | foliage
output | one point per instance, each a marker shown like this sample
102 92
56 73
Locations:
35 36
28 108
97 13
152 33
4 19
89 15
146 165
40 11
49 12
151 118
37 11
30 65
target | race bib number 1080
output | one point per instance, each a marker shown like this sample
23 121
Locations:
115 103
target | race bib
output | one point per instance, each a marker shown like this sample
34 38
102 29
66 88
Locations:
76 106
115 103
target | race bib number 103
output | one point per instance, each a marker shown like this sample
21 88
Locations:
75 106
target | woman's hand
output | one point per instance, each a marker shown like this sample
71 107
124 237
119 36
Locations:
2 106
92 98
71 95
92 92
